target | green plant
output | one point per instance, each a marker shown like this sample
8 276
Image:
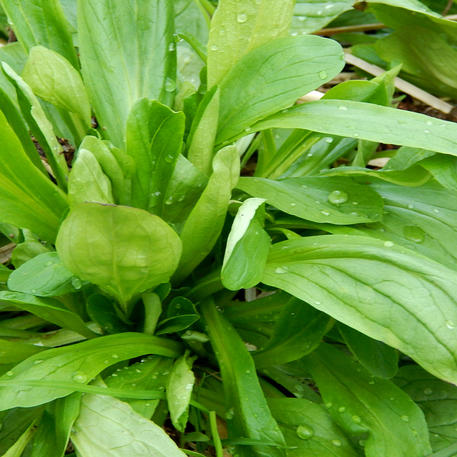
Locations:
287 312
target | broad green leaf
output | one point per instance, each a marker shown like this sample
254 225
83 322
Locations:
102 310
421 218
107 427
35 380
312 15
127 53
150 373
385 291
443 168
308 429
378 358
179 391
41 22
319 199
180 315
40 126
203 133
54 79
368 122
154 142
51 437
113 265
247 247
204 224
237 28
28 198
87 182
362 406
18 448
273 77
43 276
48 309
16 351
114 165
437 399
26 251
247 412
298 331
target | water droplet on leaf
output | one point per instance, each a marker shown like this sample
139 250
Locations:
323 74
337 197
170 85
305 432
280 270
241 18
388 244
80 377
414 233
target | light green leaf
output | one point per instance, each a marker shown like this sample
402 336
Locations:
48 309
247 247
77 363
237 28
16 351
43 276
52 78
127 53
378 358
204 224
179 391
26 251
107 259
437 399
392 423
247 412
387 292
309 430
444 170
273 77
107 427
369 122
87 182
154 142
41 22
319 199
28 198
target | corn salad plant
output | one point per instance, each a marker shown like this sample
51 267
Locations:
195 264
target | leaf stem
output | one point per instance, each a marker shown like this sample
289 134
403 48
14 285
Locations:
215 434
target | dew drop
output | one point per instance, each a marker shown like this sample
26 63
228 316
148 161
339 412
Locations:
341 409
171 47
304 432
405 418
280 270
329 140
229 414
410 206
336 443
49 263
329 405
76 283
170 85
169 201
37 362
436 211
450 325
388 244
80 377
356 419
293 204
9 373
241 18
342 108
429 123
214 47
325 213
114 356
323 74
301 18
355 203
426 131
428 391
337 197
414 233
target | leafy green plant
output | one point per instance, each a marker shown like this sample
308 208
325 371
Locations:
212 268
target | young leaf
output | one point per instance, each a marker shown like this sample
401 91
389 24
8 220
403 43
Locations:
378 358
127 53
247 413
437 399
180 315
247 247
368 122
52 78
204 224
319 199
298 331
35 380
41 22
271 78
154 141
387 292
28 198
87 182
361 405
48 309
107 427
309 430
112 264
179 391
237 28
43 276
